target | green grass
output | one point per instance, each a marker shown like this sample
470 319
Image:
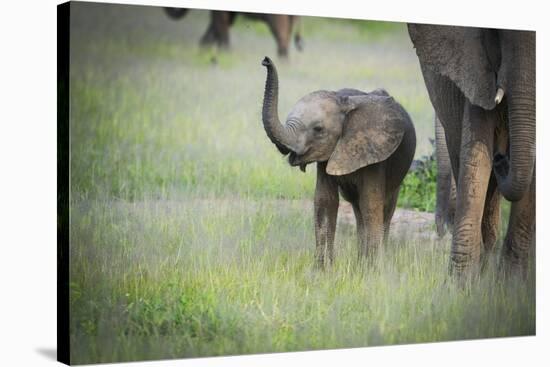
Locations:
418 190
191 236
159 279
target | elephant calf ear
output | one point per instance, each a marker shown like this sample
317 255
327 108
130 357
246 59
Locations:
372 132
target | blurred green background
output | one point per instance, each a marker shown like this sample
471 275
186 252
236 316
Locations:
151 114
191 235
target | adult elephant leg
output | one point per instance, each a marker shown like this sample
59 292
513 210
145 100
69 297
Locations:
326 211
451 209
476 158
491 216
209 37
490 223
520 233
296 24
222 20
448 102
281 28
176 13
218 29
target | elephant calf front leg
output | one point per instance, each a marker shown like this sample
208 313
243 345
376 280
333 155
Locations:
326 211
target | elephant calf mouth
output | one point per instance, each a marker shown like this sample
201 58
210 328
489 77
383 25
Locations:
297 160
293 159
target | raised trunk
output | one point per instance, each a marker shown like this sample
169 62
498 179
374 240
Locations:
273 127
517 77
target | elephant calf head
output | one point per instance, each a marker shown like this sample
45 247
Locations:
348 128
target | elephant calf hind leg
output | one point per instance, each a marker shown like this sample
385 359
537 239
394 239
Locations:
372 199
389 209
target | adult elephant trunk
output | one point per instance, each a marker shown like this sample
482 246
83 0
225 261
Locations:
281 137
517 78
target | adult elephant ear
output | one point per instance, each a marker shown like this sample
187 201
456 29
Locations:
460 53
373 129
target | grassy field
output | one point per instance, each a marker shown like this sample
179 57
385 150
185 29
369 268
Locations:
190 234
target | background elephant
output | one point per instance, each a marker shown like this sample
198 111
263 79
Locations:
446 190
176 13
280 25
481 83
363 144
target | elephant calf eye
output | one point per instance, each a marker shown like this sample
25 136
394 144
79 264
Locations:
318 129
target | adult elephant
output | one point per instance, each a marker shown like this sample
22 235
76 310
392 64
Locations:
217 33
481 83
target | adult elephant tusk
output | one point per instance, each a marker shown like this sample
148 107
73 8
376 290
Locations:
499 96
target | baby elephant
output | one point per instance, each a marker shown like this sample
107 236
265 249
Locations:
363 144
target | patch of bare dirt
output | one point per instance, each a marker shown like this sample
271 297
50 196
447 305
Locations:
405 222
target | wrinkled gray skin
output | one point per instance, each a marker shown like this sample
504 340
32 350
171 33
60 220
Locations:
363 144
490 135
446 190
217 33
